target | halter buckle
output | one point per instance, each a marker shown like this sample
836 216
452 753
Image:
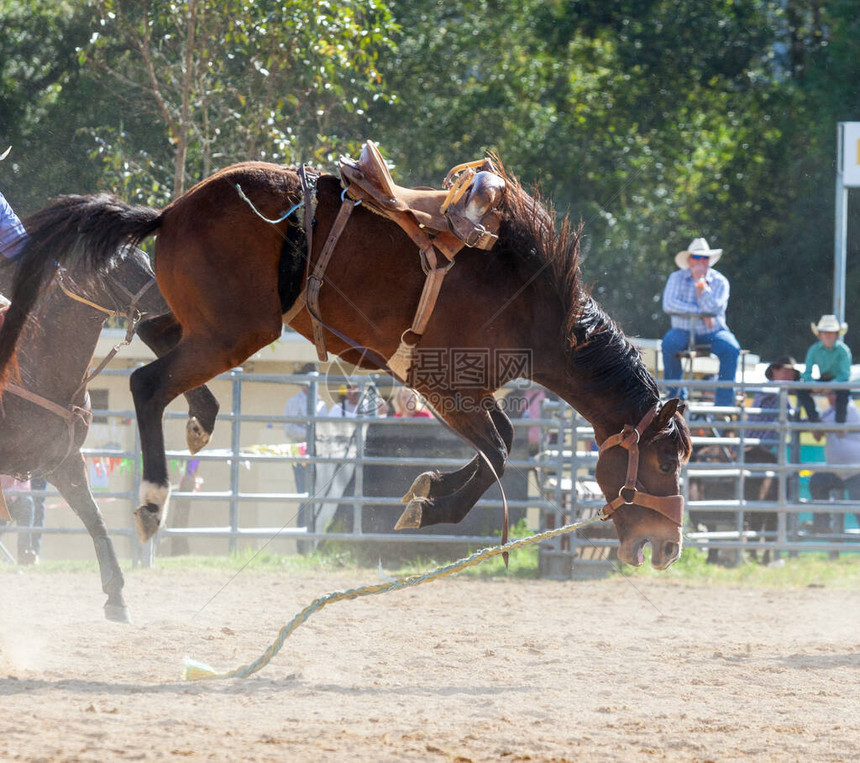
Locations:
631 436
631 491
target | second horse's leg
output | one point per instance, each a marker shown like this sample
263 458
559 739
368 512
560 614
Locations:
70 478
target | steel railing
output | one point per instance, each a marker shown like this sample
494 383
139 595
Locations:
560 480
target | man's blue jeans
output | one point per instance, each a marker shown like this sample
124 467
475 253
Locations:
723 344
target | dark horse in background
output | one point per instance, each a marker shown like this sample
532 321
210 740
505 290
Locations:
230 278
46 412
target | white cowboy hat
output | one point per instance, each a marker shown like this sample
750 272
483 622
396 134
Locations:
828 323
697 246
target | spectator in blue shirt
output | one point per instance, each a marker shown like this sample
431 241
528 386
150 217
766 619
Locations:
12 238
12 233
698 294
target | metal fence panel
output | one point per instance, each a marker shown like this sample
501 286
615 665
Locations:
249 497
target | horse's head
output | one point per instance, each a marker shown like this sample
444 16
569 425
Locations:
639 472
126 282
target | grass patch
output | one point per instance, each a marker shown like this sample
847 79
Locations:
522 562
335 557
60 565
261 561
803 571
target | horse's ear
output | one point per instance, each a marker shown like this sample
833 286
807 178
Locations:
667 412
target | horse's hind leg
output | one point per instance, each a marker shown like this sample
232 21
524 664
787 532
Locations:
70 479
162 334
435 498
194 361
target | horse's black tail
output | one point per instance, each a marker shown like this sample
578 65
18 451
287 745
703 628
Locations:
85 230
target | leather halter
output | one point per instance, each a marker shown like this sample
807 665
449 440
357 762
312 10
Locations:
670 506
131 312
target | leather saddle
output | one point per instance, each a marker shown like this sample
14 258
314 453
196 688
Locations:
444 221
467 210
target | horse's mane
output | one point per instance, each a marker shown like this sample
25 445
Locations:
600 354
529 228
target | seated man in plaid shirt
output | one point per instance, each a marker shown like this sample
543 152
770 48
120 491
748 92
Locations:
696 292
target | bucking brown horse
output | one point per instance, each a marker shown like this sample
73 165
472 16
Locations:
233 262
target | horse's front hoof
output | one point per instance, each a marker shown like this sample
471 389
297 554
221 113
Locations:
117 613
28 557
410 519
420 488
147 521
196 437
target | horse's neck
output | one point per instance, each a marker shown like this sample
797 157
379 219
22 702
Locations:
57 354
605 381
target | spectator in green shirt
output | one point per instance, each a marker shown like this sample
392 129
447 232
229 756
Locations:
833 358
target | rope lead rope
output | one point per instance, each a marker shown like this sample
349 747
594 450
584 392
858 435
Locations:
260 214
198 671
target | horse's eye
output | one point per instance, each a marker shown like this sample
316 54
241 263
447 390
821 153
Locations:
667 467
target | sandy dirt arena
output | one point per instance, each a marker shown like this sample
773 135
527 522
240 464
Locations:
458 669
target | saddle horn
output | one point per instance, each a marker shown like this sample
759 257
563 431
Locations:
486 193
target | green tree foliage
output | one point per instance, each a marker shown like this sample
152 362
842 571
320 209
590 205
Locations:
652 121
793 269
44 101
201 84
